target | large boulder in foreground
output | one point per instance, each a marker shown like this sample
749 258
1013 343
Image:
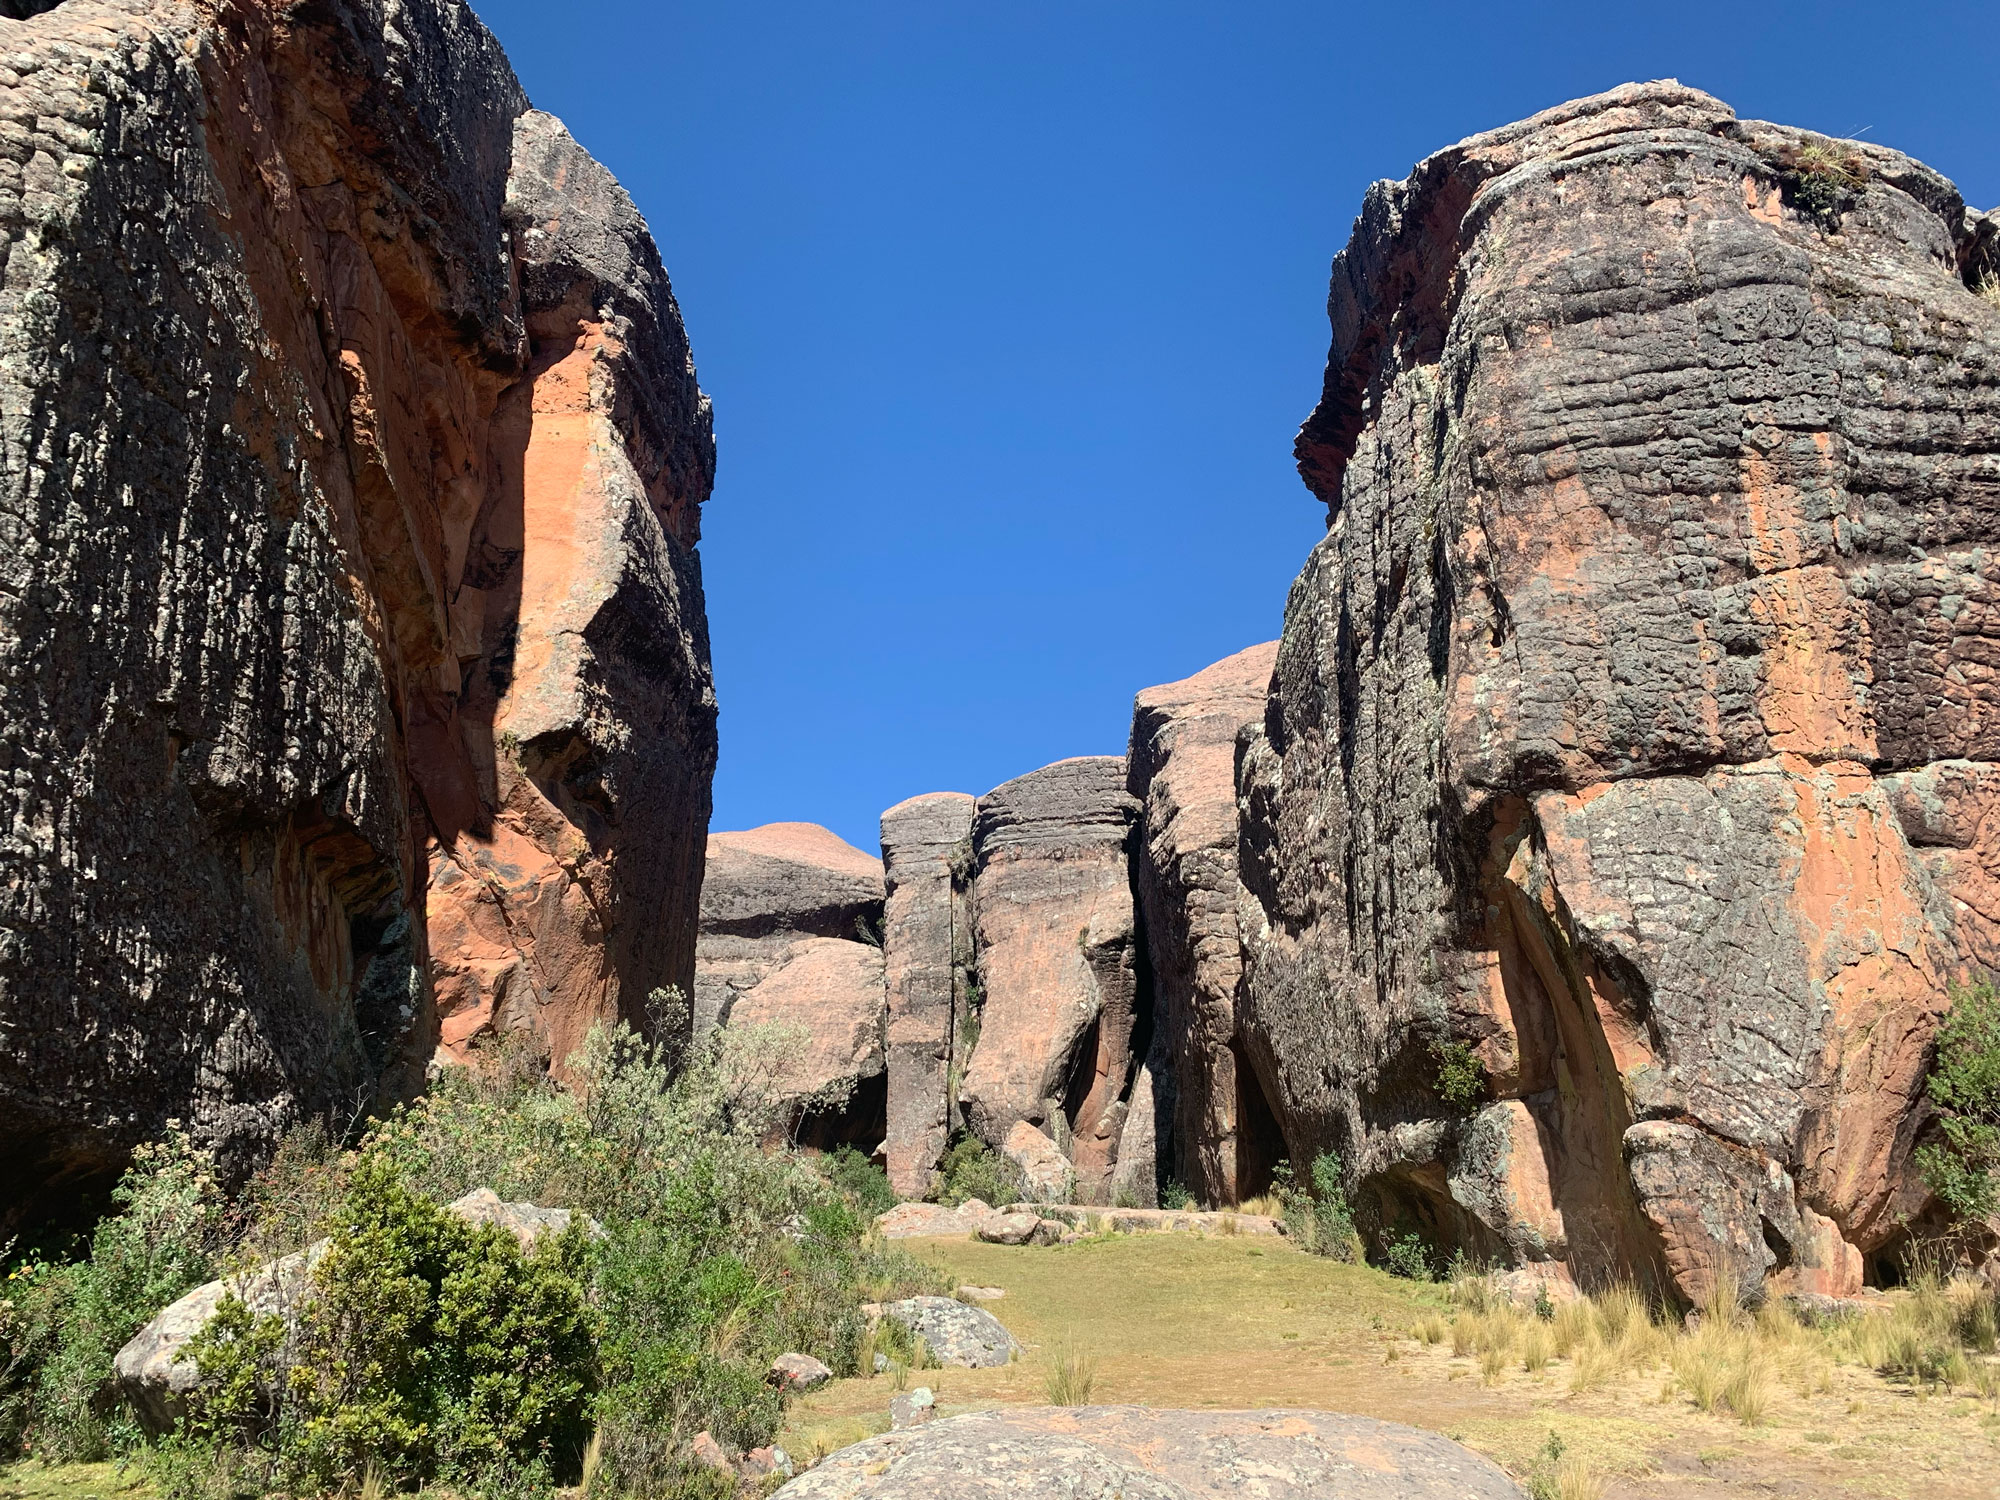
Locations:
927 951
352 646
765 891
1058 960
1629 725
1182 768
1140 1453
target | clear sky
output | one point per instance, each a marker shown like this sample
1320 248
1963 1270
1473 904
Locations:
1010 311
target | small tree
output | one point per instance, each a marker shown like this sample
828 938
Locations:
1964 1084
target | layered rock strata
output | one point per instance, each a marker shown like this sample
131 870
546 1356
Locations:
1182 770
1630 727
927 952
790 947
1058 962
767 890
351 642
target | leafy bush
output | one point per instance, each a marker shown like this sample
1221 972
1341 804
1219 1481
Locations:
1407 1255
1964 1084
972 1169
864 1184
1176 1196
62 1324
1317 1218
1461 1076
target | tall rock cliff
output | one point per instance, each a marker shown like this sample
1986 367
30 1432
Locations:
352 648
1223 1141
1632 725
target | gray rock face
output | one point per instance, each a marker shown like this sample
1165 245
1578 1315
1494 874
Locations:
1182 768
969 1337
301 622
927 956
1137 1453
1615 715
1058 961
767 889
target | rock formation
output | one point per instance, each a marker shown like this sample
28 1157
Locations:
927 951
1183 772
351 643
765 892
1630 727
1058 962
1142 1453
791 918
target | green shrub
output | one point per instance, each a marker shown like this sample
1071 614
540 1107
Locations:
62 1324
1461 1076
972 1169
864 1184
1317 1217
1407 1255
1964 1085
1176 1196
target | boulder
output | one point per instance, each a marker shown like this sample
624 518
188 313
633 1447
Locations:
927 955
1182 769
766 890
1615 717
911 1409
1045 1171
1018 1229
922 1220
799 1372
352 615
955 1334
823 1005
979 1293
1058 961
149 1371
1140 1453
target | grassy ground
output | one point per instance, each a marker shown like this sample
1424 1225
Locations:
32 1481
1176 1320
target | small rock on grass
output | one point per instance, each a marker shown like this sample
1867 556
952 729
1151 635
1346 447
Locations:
799 1372
954 1333
1020 1229
912 1409
979 1293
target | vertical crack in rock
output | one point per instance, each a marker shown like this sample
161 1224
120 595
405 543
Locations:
1630 725
351 635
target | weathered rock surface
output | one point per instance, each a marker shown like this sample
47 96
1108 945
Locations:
765 891
823 1007
1182 768
1058 961
149 1370
1046 1174
1139 1453
927 954
799 1372
1631 723
351 635
955 1334
919 1220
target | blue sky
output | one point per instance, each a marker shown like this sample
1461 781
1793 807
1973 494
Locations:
1010 312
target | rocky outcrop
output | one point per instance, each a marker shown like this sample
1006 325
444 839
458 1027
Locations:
351 640
791 918
766 892
1182 769
955 1333
1629 726
1058 962
927 954
1141 1453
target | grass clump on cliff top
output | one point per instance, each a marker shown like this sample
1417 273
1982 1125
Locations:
1964 1084
428 1351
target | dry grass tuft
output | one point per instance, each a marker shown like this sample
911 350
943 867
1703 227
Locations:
1535 1349
1430 1330
1071 1378
1493 1363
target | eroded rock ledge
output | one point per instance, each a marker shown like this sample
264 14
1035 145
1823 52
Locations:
351 634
